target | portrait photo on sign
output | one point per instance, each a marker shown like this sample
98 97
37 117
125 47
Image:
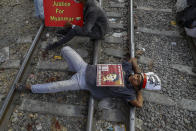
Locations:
112 77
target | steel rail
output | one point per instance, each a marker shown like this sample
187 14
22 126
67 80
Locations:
91 100
20 72
132 53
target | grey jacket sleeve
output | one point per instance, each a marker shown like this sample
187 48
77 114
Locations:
88 25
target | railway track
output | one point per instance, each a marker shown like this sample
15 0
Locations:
66 110
160 49
166 49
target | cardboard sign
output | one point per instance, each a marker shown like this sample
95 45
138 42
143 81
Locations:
58 12
110 75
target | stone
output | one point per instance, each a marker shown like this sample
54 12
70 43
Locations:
43 45
186 121
117 35
192 82
121 34
138 123
113 40
14 120
4 54
54 39
24 39
152 9
184 69
188 104
52 108
181 5
115 52
38 127
157 98
114 14
159 32
31 115
52 66
10 129
10 64
116 25
112 20
173 43
117 128
47 35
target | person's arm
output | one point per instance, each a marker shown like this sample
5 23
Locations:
139 100
89 24
136 68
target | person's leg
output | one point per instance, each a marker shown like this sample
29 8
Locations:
36 8
74 60
63 31
70 34
95 34
67 85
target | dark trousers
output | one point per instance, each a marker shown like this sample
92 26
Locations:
69 33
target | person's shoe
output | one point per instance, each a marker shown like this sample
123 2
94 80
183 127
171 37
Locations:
52 46
49 47
20 87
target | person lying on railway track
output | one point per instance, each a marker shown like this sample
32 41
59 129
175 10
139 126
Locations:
85 79
95 25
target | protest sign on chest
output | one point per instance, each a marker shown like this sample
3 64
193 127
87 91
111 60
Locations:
110 75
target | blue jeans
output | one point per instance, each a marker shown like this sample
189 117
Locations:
39 9
77 81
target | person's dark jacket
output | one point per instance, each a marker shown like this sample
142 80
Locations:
95 20
187 17
191 3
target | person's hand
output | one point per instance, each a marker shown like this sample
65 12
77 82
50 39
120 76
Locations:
136 68
68 25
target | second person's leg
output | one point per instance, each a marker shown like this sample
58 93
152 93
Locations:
67 85
70 34
74 60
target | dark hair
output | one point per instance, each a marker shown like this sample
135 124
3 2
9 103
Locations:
142 81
